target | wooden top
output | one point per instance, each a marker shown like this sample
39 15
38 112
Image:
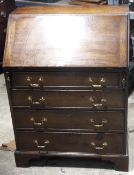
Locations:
73 10
67 37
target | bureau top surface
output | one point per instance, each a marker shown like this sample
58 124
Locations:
67 37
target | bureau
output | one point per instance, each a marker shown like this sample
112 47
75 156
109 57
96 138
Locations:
6 6
66 71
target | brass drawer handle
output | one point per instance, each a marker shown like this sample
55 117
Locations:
105 144
43 121
46 142
35 85
98 105
100 84
38 102
98 125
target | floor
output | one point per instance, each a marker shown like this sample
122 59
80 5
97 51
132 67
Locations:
7 163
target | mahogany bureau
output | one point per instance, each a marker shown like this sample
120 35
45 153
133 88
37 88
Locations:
66 70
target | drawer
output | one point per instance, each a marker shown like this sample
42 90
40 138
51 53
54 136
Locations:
50 79
70 142
90 99
69 120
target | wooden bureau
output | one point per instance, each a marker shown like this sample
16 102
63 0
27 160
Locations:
66 70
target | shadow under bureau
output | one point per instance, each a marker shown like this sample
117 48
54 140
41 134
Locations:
66 70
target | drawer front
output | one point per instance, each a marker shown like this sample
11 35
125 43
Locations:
44 79
91 99
70 142
69 120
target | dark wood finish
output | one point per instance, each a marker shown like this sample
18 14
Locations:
23 158
2 39
69 120
88 98
70 142
68 100
50 79
121 163
6 6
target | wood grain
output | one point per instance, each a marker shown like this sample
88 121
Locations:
60 51
123 9
65 120
71 142
69 99
64 79
67 40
